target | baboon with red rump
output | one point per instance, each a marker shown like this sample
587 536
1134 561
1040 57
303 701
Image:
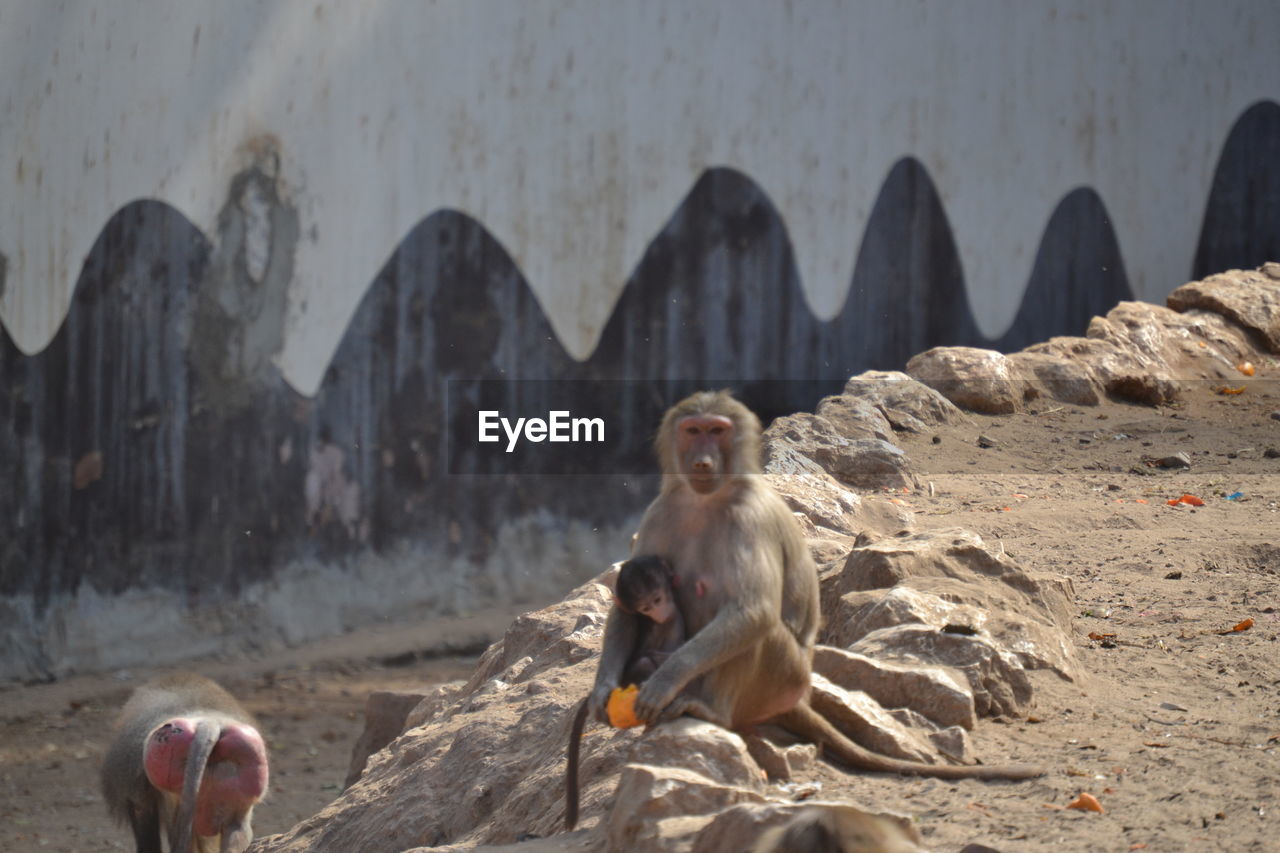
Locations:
186 762
747 588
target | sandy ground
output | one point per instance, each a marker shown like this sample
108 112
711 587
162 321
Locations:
1176 731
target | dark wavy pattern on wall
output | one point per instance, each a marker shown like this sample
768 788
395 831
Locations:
1241 227
135 453
1078 273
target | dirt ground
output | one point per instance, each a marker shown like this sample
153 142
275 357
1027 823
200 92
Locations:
1176 730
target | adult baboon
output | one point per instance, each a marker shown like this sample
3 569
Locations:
186 761
748 590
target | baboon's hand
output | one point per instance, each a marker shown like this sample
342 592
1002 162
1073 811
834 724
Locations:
654 696
597 703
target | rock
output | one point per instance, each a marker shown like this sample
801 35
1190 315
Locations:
855 418
953 553
1196 344
503 731
1246 297
1057 378
950 580
781 764
824 551
1144 367
1000 686
1177 460
934 692
547 632
1275 416
385 713
649 795
1138 352
869 723
435 702
905 403
807 827
986 442
943 598
862 463
952 741
853 615
971 378
875 464
1271 453
1104 361
708 750
831 508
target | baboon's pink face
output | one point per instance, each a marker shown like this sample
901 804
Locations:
705 443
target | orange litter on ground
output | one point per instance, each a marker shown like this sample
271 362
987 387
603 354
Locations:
1087 802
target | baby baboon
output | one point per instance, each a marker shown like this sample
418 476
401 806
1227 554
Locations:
187 761
643 587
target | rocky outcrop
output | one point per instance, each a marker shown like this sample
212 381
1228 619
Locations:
799 443
1248 298
934 692
1138 352
385 713
976 379
850 436
906 404
488 756
925 633
950 583
907 675
832 515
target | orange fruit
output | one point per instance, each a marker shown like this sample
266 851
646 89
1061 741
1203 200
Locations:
622 707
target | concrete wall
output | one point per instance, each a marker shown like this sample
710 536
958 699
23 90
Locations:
244 245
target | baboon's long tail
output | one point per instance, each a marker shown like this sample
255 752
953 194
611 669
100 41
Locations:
803 720
571 772
202 744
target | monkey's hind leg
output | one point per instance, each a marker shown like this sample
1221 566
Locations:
685 706
144 820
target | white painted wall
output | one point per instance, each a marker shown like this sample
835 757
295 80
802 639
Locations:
573 128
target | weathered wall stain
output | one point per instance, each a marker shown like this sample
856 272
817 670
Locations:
241 305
